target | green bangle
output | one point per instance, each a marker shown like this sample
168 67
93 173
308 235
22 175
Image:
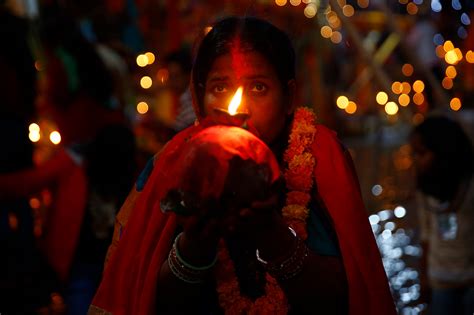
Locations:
188 265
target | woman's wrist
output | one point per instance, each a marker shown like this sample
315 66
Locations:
276 242
196 252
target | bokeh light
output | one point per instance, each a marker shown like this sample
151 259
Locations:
391 108
404 99
351 107
447 83
310 11
150 57
34 136
455 104
55 137
418 98
342 102
142 60
412 8
348 10
280 2
381 98
363 3
407 69
336 37
470 56
295 2
34 127
397 87
451 72
418 86
146 82
142 108
406 87
326 31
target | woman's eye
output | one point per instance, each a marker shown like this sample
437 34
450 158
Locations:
258 87
220 89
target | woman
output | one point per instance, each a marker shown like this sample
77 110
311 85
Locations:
329 265
444 158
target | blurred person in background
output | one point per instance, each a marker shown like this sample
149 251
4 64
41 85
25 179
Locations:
93 168
26 281
444 158
179 65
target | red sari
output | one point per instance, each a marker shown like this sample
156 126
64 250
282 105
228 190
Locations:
145 233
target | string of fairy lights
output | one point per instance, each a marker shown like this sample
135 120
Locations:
331 29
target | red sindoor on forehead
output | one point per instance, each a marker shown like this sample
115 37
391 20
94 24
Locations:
238 59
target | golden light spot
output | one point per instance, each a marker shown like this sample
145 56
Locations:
381 98
34 136
403 1
451 57
295 2
146 82
418 86
451 72
418 118
407 69
341 3
55 137
397 87
412 8
342 102
310 11
326 31
391 108
336 37
334 22
470 56
406 87
418 98
331 17
447 83
306 1
440 51
404 99
142 60
351 108
348 10
458 53
142 108
448 46
151 57
455 104
363 3
34 127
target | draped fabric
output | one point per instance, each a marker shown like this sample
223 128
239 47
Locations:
130 279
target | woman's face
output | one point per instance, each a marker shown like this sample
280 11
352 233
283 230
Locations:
263 97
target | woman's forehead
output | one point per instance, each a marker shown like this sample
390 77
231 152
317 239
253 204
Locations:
239 64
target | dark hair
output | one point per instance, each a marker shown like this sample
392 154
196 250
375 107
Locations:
453 156
254 34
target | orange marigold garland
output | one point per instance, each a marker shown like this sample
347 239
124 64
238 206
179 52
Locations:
299 173
299 181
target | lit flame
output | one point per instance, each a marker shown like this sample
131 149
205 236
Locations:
235 102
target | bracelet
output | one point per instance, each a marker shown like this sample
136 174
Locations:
289 266
184 270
